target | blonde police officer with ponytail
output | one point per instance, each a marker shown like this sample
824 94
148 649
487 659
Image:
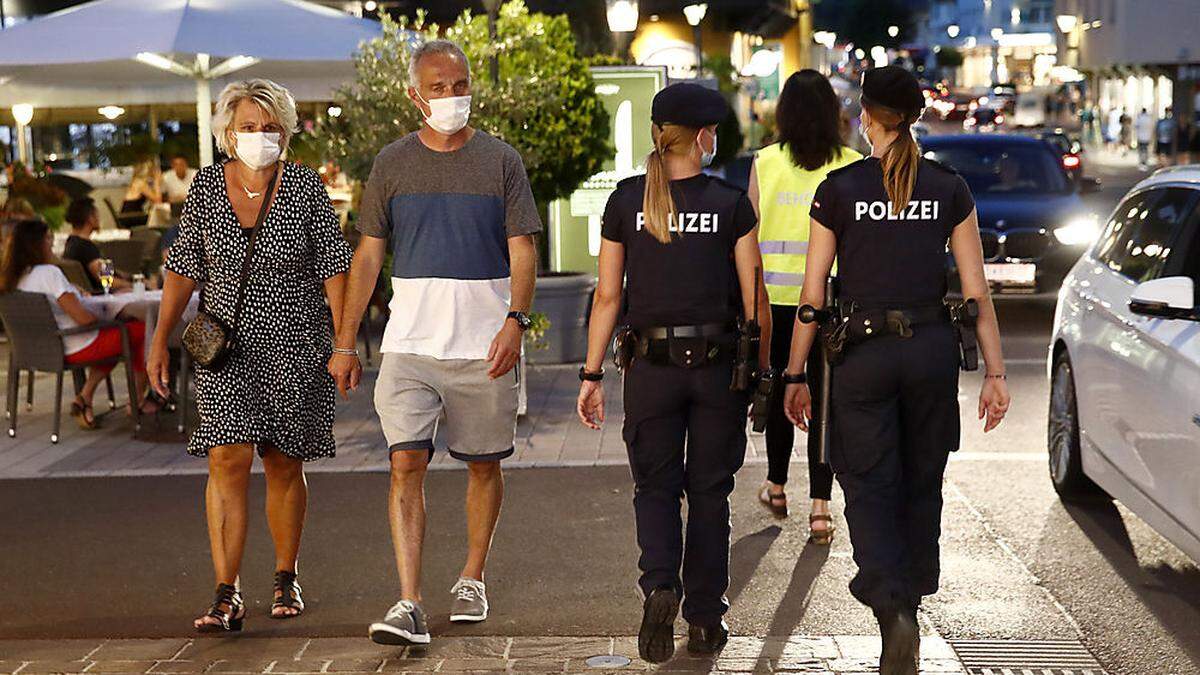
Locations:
684 245
889 219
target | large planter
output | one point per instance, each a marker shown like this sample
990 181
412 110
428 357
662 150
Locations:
564 297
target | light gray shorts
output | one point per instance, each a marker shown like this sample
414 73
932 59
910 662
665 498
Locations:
413 391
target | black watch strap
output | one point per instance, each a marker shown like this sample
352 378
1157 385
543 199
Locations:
586 376
795 378
522 319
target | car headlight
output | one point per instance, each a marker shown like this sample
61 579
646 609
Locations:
1078 231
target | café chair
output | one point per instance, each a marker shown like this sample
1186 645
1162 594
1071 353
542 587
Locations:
35 344
75 273
127 254
128 220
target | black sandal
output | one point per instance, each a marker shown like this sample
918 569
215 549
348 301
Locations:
289 595
230 619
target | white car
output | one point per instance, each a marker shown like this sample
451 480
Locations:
1125 361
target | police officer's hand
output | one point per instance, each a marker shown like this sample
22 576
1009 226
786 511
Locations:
505 349
993 402
590 405
346 371
797 404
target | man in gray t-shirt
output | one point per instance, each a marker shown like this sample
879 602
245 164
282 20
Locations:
455 207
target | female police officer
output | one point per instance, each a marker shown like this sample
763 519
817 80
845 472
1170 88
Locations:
895 415
686 245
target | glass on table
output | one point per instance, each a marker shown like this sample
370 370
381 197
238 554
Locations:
106 274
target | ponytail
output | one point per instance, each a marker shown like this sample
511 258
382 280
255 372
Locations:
658 205
902 157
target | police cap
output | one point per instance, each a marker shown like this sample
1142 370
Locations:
689 105
893 87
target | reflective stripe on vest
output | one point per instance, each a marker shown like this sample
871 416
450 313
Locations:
785 195
783 247
783 279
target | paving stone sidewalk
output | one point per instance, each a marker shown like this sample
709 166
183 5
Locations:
547 435
840 655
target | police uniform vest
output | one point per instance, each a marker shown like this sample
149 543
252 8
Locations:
891 254
691 280
785 193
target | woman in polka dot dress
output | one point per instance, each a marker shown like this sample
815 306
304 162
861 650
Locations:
273 394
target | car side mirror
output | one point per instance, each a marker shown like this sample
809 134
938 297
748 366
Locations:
1166 298
1088 185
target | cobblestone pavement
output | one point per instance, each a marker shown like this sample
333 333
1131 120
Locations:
796 654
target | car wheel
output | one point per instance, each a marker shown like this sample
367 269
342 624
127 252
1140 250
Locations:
1066 464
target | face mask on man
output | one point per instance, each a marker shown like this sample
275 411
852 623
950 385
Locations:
258 149
447 115
706 158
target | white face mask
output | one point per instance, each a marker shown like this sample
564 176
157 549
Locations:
447 115
706 158
258 149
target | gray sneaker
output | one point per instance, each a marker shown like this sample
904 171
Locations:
470 601
404 624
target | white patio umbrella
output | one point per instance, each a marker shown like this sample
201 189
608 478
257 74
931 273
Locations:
135 52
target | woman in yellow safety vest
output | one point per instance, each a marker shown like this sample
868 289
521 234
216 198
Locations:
782 181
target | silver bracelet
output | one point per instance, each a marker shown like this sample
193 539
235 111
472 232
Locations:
347 352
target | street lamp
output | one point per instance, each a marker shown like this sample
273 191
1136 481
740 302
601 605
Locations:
622 15
1066 22
111 112
893 31
694 15
23 114
622 21
952 30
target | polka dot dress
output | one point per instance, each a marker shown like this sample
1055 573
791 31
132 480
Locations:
274 389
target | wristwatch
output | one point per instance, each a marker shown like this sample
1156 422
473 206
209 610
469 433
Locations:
587 376
797 378
522 319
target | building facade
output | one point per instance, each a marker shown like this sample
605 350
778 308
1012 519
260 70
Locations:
1136 53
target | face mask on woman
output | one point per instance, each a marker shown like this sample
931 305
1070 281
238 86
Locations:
706 158
447 115
258 149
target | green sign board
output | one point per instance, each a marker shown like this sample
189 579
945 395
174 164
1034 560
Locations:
574 229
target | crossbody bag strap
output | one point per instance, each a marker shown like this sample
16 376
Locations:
258 222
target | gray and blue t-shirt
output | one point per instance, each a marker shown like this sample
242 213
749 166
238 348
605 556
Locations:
449 216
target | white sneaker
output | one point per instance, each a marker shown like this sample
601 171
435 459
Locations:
470 601
404 624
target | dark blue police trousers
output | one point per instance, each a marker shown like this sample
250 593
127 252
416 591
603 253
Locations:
685 433
895 421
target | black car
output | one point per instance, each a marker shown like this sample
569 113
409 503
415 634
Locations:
1033 224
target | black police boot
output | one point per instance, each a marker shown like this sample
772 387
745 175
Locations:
901 642
707 639
656 639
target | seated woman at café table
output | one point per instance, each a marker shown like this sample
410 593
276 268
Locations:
26 266
146 186
84 220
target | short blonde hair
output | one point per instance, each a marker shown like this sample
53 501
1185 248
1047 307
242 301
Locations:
272 98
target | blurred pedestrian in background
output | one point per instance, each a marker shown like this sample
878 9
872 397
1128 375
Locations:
1144 129
1164 138
782 181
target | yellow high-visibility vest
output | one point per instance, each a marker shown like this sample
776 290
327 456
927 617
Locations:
785 193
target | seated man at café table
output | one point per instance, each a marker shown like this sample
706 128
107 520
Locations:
85 220
176 182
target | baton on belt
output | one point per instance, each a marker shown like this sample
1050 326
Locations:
823 317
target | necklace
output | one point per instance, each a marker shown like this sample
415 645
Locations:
251 194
